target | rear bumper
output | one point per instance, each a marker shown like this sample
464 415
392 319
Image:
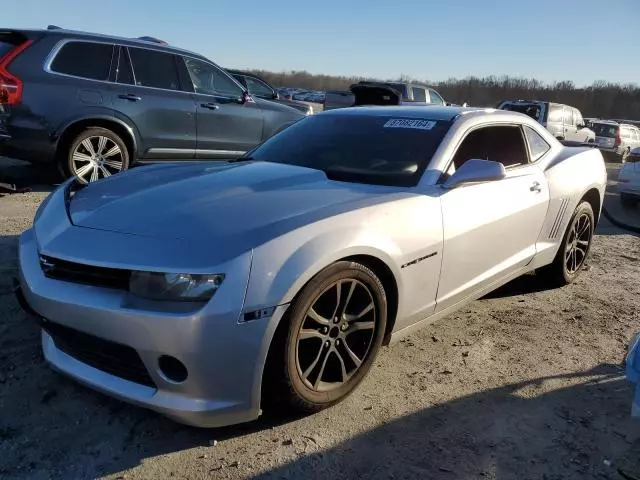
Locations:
26 146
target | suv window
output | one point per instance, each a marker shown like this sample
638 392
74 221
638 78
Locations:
504 144
568 116
124 72
419 94
84 59
258 87
210 80
538 146
435 97
154 69
555 114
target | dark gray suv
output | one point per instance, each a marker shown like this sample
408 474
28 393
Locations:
94 105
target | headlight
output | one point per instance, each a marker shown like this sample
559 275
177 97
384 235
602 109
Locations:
175 287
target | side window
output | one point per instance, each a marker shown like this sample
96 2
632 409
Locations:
84 59
555 114
568 116
154 69
124 73
259 88
436 99
419 94
209 80
504 144
538 146
578 117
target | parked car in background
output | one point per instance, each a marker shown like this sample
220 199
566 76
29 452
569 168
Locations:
629 179
338 99
344 232
258 87
616 140
94 105
563 121
383 93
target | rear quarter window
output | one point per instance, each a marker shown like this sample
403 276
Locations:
84 59
604 130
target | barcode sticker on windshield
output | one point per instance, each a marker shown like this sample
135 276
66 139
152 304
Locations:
410 123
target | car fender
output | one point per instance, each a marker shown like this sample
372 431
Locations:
276 277
104 114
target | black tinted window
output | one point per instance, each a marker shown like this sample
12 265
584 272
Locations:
210 80
604 130
124 74
358 148
154 69
503 144
84 59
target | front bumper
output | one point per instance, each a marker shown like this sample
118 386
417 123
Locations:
224 357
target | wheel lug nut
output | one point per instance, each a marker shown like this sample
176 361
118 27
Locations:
337 341
327 344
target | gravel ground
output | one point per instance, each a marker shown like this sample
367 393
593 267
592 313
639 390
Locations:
526 383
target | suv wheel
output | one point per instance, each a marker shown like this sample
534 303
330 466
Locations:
95 154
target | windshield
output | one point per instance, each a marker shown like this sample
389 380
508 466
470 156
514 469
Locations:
604 130
531 110
380 150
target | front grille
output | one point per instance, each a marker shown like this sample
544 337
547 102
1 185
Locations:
85 274
110 357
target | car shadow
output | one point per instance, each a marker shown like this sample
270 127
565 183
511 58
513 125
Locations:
34 178
524 285
522 430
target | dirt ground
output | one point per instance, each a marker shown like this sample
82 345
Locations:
524 384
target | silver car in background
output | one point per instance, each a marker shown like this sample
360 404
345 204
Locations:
616 140
563 121
207 292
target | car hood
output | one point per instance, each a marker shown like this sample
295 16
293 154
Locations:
240 204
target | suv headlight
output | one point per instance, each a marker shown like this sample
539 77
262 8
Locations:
175 287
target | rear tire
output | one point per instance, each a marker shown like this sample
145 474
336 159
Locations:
96 153
329 340
574 249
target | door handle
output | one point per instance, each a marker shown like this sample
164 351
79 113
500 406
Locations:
536 187
131 97
210 106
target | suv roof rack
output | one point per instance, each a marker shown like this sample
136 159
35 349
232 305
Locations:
53 27
147 38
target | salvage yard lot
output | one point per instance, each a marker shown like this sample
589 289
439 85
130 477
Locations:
524 384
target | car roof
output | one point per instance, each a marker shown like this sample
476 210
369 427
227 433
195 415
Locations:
143 42
405 111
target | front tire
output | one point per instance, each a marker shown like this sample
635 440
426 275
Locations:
335 329
96 153
573 251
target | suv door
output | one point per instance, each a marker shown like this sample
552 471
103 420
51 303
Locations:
148 94
229 124
491 228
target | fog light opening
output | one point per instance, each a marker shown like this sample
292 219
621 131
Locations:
172 368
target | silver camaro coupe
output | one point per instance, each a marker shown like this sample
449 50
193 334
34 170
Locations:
206 291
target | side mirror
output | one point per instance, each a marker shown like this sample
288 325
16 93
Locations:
476 171
580 126
276 95
245 98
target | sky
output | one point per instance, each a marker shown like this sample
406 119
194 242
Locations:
550 40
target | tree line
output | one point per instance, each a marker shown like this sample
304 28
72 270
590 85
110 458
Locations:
602 99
